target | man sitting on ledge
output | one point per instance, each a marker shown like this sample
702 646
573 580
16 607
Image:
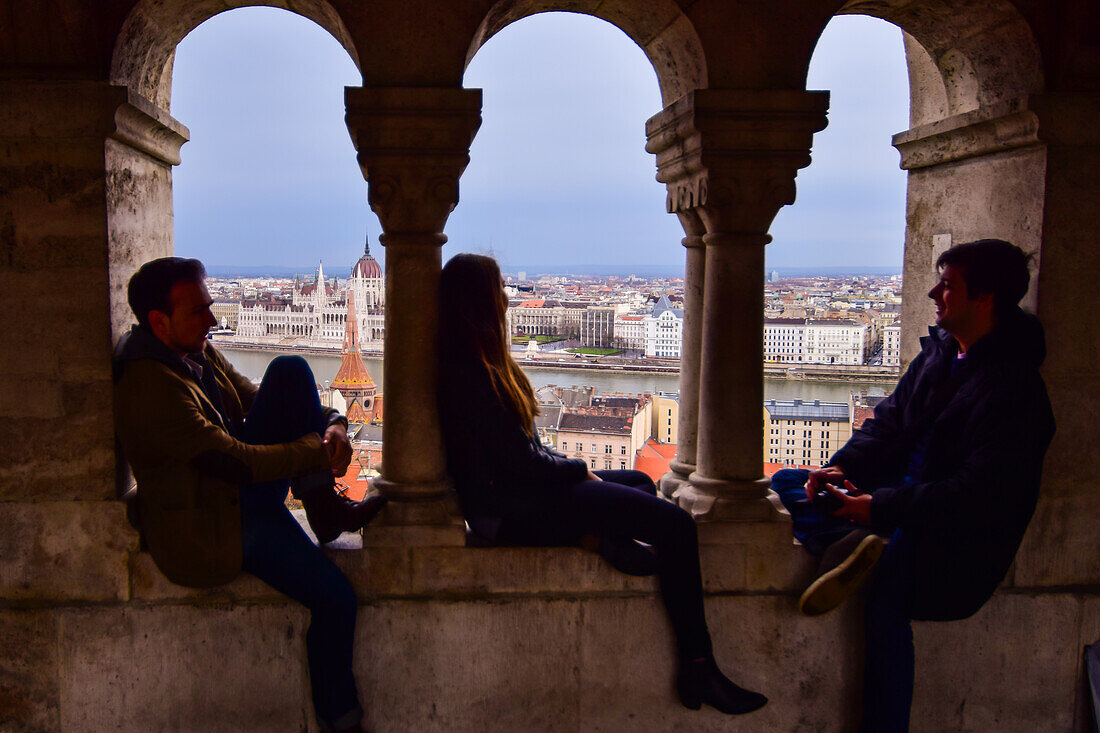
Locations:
948 469
213 457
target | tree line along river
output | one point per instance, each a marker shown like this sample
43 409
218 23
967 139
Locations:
252 364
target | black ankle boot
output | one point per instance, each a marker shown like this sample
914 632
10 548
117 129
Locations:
700 681
330 513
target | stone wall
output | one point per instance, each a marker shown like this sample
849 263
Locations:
451 638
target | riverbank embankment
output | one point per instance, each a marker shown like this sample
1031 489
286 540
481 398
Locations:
808 373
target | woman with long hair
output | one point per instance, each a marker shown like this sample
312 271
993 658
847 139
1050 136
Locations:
515 491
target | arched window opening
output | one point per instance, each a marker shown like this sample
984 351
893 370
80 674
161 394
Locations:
833 296
269 195
558 175
269 178
976 166
561 190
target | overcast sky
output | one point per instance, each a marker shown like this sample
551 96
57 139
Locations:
558 173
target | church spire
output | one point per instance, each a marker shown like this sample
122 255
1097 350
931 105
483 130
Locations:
353 380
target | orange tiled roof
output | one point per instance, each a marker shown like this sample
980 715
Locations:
357 477
356 414
771 468
653 458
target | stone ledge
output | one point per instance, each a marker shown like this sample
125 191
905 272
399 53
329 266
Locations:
742 558
968 135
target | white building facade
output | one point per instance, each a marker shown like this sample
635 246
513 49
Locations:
799 341
891 345
630 331
664 329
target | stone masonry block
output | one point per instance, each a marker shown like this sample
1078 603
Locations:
439 666
161 668
377 572
807 667
65 551
752 556
1060 547
30 397
1010 667
149 584
29 694
1076 402
69 460
507 570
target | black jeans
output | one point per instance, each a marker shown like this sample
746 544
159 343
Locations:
278 552
625 505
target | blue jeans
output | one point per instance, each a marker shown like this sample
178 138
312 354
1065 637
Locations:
625 505
889 657
278 551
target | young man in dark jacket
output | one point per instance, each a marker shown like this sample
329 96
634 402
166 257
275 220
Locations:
948 469
213 456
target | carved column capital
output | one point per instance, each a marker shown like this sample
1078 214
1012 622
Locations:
733 154
729 158
413 145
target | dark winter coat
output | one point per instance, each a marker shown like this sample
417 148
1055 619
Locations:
988 427
499 469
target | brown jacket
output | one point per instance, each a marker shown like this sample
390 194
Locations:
187 465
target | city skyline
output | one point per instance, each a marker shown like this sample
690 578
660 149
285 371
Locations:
558 172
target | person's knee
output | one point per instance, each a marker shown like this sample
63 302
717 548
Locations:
641 480
288 365
290 375
790 477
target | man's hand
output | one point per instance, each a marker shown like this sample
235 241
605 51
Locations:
338 448
592 477
857 505
822 476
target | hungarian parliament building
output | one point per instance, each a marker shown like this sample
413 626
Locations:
316 315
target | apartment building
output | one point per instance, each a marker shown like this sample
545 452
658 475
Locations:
803 433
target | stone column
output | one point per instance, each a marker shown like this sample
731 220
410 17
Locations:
688 421
730 156
413 145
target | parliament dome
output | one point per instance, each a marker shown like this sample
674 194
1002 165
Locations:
367 267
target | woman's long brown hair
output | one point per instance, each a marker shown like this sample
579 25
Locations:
472 308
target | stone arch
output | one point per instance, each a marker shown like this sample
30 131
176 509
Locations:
976 164
964 55
659 27
145 48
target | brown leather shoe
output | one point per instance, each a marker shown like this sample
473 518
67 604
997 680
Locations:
844 568
330 514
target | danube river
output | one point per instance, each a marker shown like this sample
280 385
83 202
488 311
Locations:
253 363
